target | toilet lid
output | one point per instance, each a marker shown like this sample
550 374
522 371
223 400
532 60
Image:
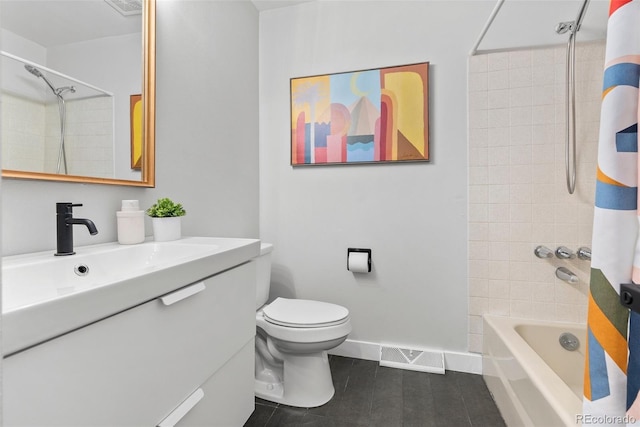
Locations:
300 313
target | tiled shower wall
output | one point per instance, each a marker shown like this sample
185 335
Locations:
88 137
22 133
31 135
517 185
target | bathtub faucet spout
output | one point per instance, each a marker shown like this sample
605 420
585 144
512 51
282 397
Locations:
567 275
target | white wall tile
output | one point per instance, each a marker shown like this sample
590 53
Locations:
541 57
499 251
498 136
498 98
478 64
475 343
521 232
536 209
478 287
478 82
498 156
478 156
498 118
520 77
522 309
520 59
498 306
498 61
521 116
478 193
478 231
498 79
498 270
478 212
478 269
499 231
498 193
478 100
521 251
499 289
475 324
521 96
543 75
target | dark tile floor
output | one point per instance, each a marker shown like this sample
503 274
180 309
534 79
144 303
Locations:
369 395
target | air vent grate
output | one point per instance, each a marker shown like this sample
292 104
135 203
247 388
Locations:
126 7
411 359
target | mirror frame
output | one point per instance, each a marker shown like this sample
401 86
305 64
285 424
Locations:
149 117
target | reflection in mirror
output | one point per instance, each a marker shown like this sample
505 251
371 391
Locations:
64 128
70 72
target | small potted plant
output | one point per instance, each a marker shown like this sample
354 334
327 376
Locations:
166 219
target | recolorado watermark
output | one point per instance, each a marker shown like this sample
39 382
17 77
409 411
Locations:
605 419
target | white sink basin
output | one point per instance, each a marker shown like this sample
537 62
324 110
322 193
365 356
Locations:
44 295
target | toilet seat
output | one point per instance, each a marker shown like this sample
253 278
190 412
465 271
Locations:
299 313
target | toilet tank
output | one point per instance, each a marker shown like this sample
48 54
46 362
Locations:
263 268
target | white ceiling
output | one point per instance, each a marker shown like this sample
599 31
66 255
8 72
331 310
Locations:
43 21
274 4
519 23
51 23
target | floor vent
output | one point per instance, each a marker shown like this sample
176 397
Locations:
412 359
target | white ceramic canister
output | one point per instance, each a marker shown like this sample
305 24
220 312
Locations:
130 223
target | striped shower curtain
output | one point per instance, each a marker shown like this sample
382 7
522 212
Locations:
612 369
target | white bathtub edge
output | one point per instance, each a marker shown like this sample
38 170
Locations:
453 361
552 385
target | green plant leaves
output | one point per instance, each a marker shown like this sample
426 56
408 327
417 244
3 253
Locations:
165 207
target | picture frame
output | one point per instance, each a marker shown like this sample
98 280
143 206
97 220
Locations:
378 115
136 126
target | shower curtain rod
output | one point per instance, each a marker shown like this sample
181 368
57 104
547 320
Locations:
49 70
498 6
494 12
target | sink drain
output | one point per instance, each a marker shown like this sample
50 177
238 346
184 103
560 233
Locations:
81 269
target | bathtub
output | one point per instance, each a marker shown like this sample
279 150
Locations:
533 379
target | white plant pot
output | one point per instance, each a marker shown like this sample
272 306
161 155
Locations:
166 229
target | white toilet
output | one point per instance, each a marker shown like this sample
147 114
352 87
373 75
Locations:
292 340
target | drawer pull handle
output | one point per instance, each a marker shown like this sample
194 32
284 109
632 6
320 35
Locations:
174 417
176 296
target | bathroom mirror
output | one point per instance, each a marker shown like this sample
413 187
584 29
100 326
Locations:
79 57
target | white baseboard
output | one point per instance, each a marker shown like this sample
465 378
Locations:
358 350
470 363
453 361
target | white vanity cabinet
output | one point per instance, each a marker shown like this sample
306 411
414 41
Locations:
146 365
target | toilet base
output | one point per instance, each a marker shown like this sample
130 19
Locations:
307 382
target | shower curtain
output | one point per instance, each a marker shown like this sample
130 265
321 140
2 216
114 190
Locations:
612 368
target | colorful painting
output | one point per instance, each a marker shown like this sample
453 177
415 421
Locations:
378 115
136 131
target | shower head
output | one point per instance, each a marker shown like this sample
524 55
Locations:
33 70
56 91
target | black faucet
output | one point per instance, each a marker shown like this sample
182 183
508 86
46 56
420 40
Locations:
64 227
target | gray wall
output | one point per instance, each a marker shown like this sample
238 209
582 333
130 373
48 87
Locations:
206 136
413 216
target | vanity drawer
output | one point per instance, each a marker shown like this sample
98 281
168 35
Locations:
134 368
225 399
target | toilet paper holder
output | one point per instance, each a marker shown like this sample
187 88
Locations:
367 251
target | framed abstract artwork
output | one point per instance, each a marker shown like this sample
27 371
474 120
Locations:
135 112
367 116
